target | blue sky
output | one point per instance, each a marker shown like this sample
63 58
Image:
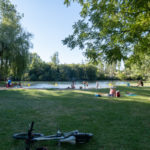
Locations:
50 21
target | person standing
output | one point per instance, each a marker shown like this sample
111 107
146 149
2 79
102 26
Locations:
73 85
87 85
84 84
97 85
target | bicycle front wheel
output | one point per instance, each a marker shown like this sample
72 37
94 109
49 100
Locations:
24 136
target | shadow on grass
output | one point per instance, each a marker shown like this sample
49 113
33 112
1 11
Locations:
117 123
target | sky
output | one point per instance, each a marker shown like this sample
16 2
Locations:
50 21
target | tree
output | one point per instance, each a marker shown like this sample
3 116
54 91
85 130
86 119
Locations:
138 69
36 67
14 42
111 29
55 59
34 60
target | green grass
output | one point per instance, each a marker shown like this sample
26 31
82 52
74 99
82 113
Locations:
117 123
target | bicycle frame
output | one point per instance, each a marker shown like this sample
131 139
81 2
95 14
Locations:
72 137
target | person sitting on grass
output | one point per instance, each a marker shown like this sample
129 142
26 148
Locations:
140 83
20 84
112 91
9 83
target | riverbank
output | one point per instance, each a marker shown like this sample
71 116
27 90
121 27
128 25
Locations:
78 85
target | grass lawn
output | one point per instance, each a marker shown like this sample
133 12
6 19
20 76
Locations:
117 123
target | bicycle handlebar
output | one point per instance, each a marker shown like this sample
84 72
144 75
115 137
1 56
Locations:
31 128
32 124
28 140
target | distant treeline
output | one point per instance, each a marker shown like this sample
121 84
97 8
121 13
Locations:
63 72
38 70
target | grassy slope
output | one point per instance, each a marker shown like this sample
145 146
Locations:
117 123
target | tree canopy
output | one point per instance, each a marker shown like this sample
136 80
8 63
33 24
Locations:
14 41
112 30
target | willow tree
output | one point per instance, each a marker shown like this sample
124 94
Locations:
14 41
112 30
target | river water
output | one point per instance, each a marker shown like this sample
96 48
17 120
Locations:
64 85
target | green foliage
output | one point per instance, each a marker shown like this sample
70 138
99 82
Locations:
14 42
121 76
139 65
55 59
39 70
111 30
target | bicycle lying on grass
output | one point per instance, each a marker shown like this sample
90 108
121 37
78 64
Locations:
72 137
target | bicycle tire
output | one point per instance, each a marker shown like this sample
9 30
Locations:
24 136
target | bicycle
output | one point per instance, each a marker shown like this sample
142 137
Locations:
72 137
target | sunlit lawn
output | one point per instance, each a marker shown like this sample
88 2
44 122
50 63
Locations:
117 123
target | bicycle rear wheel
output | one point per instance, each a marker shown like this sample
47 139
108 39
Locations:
24 136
